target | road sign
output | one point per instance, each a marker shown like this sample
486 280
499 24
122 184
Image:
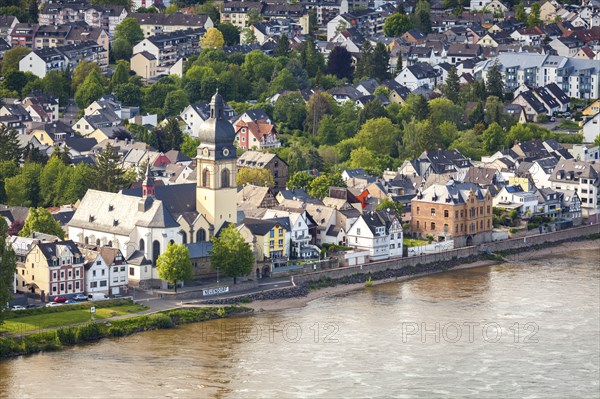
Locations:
93 309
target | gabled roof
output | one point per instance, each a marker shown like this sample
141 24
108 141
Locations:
532 100
558 93
259 227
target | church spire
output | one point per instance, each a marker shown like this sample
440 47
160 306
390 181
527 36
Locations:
148 184
216 106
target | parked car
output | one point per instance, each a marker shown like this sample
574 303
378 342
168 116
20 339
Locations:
80 297
18 307
70 301
52 304
97 297
32 305
60 299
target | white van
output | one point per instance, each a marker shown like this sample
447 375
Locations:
97 297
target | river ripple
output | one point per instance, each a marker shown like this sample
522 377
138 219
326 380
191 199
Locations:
514 330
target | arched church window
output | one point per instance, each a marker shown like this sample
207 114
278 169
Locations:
225 178
205 178
201 235
142 245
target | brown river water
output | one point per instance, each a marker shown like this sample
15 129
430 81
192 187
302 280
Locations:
524 329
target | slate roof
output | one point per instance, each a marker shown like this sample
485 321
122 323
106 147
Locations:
80 144
532 100
558 93
259 227
177 19
50 249
177 199
450 193
200 249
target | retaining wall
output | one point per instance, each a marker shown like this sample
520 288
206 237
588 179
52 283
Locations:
199 292
465 252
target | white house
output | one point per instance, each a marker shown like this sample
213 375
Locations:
96 273
378 232
514 197
418 75
591 129
40 62
299 235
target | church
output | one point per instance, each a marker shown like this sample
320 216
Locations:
141 222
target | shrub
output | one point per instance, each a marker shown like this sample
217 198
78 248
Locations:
159 320
89 332
67 335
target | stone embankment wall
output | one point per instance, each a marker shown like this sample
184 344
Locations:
493 247
195 293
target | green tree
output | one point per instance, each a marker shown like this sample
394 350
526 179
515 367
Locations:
443 109
254 17
451 89
121 74
417 107
380 136
23 189
82 71
469 143
494 110
7 169
520 13
284 81
283 46
327 133
58 84
397 24
48 180
319 105
11 58
121 49
422 16
231 34
597 140
109 176
129 93
366 159
420 136
476 116
392 205
493 138
495 83
296 161
40 220
129 30
319 187
290 111
189 146
10 150
8 268
230 254
380 62
256 177
533 19
170 136
313 159
299 180
175 102
248 36
364 65
174 264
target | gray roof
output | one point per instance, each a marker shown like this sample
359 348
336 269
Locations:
200 249
450 193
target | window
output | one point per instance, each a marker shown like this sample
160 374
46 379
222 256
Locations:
122 268
432 226
280 243
432 211
225 178
456 214
115 279
122 278
446 213
115 269
131 271
205 178
280 232
418 210
93 273
272 243
70 287
103 283
272 233
93 284
103 272
62 287
53 288
76 272
489 209
418 224
201 235
77 285
70 273
53 275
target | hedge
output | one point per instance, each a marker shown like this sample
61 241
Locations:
56 309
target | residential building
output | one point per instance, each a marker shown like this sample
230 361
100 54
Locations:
514 197
106 17
369 22
591 109
582 178
7 24
454 211
591 129
257 135
298 224
268 240
236 12
40 62
170 48
378 232
51 269
531 104
23 34
195 114
268 161
419 75
160 23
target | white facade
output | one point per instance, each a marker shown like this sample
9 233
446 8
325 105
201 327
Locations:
376 238
192 119
591 129
35 64
96 277
527 202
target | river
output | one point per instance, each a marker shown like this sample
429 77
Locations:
525 329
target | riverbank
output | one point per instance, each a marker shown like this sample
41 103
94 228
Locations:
52 340
301 301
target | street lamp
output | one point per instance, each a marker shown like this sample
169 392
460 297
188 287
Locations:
217 274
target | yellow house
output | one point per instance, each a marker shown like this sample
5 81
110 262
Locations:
487 41
268 238
51 134
592 109
548 11
144 65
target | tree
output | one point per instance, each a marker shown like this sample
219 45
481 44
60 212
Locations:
476 116
10 150
422 17
533 19
11 58
290 111
231 34
254 17
40 220
175 102
443 109
366 159
380 62
57 83
364 64
313 159
15 81
389 204
248 36
284 81
174 264
8 268
469 143
451 89
494 110
379 135
327 133
230 254
319 187
417 106
23 189
48 179
121 74
256 177
299 180
129 93
283 46
121 49
213 39
371 110
495 83
397 24
319 105
88 92
520 13
82 71
109 176
190 146
420 136
170 136
339 63
492 138
597 140
129 30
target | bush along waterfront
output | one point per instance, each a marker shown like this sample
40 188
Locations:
56 339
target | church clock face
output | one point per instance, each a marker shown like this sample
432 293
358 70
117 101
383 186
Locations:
225 151
205 151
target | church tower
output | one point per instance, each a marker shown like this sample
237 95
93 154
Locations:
216 190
